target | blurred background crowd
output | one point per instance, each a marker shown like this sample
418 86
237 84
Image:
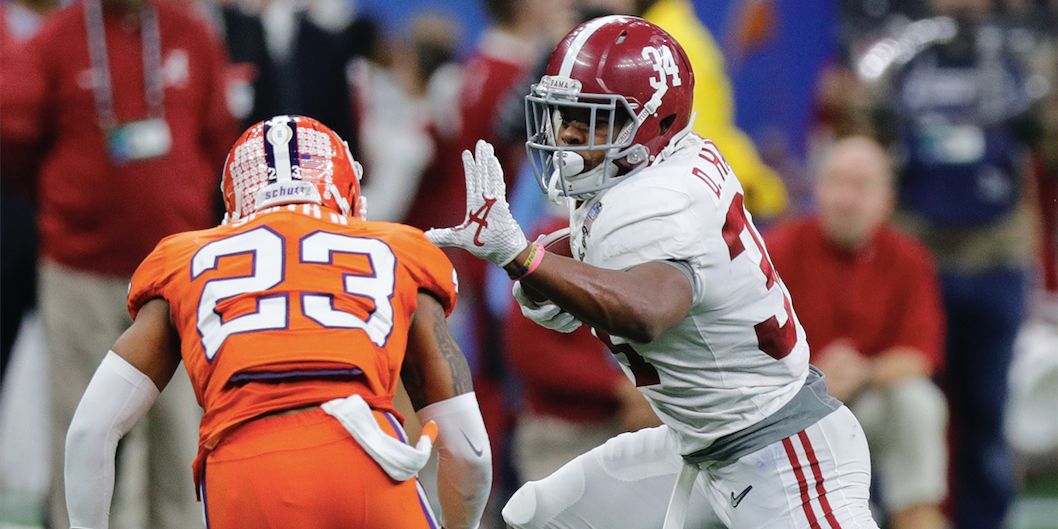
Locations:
900 158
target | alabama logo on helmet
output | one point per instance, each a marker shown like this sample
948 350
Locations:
290 159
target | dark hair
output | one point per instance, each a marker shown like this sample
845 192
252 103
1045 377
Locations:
501 11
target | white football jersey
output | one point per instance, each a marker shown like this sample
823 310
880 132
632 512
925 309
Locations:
740 354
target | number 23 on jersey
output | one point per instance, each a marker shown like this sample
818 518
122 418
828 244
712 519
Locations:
268 278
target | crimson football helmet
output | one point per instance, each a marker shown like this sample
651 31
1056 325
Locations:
619 72
289 159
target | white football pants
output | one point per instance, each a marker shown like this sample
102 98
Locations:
817 478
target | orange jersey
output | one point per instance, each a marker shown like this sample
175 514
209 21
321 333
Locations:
293 293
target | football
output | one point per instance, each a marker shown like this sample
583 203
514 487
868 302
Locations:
556 242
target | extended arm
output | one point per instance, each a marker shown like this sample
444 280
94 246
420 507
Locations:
120 393
639 303
438 381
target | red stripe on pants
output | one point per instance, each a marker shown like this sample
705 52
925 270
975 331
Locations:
818 474
802 483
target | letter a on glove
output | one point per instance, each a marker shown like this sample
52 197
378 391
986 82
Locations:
488 230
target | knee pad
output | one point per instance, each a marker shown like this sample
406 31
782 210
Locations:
535 505
521 508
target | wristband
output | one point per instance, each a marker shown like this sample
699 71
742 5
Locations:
536 255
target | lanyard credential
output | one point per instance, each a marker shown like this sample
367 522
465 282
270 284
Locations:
143 139
101 80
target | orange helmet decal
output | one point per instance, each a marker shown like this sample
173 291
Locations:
290 159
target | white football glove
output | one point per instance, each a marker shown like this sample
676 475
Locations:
545 314
488 231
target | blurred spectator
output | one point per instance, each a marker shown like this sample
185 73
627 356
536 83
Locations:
19 20
842 107
521 33
869 299
575 395
506 51
715 104
130 128
1031 424
406 96
960 103
294 54
844 103
23 481
1036 27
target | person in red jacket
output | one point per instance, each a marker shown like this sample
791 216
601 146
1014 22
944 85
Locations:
869 299
130 127
504 55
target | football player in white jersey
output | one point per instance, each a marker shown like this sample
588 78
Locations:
672 275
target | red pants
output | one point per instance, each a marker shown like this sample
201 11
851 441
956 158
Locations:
306 470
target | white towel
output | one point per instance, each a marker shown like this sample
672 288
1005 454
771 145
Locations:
400 460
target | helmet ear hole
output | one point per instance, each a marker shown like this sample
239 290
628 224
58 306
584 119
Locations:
666 124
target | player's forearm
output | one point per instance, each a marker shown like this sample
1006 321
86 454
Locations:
434 369
638 304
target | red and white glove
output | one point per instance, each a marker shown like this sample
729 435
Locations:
488 231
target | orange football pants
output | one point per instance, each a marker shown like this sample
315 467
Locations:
305 470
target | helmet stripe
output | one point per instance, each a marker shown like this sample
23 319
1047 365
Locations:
582 38
281 149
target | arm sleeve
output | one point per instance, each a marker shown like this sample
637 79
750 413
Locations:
117 397
464 460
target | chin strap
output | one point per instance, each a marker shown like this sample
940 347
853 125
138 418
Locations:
649 108
554 189
343 204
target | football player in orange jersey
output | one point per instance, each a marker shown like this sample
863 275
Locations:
296 319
